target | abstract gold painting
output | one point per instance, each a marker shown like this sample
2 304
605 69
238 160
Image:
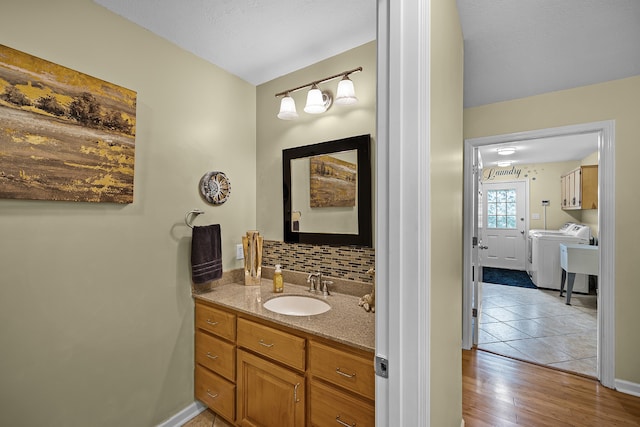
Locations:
333 182
64 135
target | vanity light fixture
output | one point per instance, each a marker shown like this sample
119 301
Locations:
319 101
346 94
505 164
506 151
287 108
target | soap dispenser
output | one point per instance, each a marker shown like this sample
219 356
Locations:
278 281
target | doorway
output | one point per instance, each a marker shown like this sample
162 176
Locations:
605 317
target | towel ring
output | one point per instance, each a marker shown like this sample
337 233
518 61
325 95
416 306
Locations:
187 217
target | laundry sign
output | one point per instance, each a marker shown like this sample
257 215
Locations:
498 173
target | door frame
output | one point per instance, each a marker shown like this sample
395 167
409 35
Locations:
606 224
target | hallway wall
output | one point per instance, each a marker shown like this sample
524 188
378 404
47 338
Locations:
615 100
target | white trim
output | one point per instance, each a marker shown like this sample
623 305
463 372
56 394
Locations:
403 212
462 423
184 415
606 213
382 211
467 249
628 387
607 243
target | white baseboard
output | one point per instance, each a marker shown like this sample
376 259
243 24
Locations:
628 387
183 416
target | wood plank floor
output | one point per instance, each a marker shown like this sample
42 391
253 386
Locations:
498 391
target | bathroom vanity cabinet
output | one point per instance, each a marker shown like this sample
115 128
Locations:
254 372
215 357
332 371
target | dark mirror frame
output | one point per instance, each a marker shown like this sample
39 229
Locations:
361 143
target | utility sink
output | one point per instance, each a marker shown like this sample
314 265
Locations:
296 305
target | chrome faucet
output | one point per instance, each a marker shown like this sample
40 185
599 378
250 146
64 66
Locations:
315 281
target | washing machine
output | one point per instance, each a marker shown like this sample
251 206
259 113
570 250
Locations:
537 231
545 257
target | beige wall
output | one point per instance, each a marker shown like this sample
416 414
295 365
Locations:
544 184
615 100
446 214
274 135
96 315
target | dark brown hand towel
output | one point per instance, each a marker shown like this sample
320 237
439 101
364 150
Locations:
206 253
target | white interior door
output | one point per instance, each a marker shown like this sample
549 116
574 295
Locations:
504 210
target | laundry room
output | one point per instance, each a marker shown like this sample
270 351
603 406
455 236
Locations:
536 199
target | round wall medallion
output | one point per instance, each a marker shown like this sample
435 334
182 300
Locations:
215 187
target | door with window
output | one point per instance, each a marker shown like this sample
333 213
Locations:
504 210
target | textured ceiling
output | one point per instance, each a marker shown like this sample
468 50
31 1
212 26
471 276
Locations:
542 150
257 40
513 48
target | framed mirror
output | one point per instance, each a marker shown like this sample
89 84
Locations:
327 192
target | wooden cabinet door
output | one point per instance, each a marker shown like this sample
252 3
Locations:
576 199
268 395
563 191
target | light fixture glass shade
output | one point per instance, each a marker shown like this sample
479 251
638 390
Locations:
287 109
506 151
504 164
315 101
346 94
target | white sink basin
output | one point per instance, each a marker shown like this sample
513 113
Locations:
296 305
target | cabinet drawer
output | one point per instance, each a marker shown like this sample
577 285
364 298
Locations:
216 354
215 392
216 321
353 372
272 343
330 407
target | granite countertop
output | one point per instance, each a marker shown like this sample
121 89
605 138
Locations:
346 322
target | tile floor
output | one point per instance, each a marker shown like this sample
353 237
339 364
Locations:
537 326
206 419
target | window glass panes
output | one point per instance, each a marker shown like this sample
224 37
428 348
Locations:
501 209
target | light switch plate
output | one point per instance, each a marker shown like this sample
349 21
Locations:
535 216
239 252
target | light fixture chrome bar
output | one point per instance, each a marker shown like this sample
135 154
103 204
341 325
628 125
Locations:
335 76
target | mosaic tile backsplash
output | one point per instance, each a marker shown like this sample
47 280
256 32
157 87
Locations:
345 262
